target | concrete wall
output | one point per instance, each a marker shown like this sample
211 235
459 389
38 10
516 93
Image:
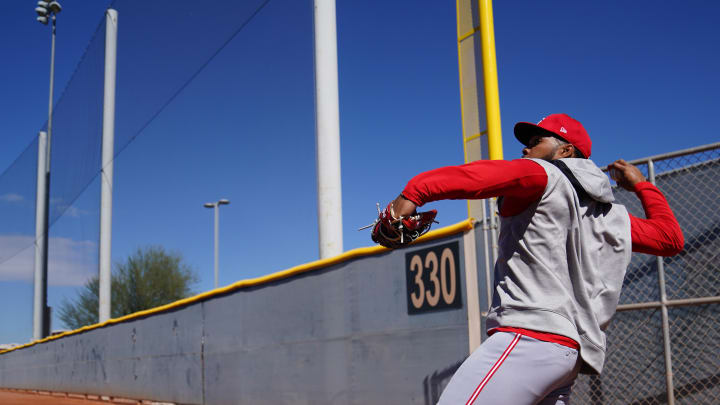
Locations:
340 334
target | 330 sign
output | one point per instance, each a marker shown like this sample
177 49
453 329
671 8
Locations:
433 278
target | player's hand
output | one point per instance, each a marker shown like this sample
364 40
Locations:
403 207
625 174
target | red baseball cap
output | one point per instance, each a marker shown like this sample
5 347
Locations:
558 125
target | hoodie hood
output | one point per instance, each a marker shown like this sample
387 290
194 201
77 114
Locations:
587 179
595 183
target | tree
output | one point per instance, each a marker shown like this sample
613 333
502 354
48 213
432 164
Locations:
148 278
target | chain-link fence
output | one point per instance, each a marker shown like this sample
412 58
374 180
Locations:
664 342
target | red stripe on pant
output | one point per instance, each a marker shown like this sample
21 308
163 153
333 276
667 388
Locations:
493 369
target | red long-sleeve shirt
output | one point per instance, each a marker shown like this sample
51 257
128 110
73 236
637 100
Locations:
522 182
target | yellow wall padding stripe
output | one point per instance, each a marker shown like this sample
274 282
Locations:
463 226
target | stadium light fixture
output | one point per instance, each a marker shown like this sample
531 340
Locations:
216 205
46 10
55 7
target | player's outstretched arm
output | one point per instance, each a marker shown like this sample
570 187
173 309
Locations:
519 178
660 233
400 223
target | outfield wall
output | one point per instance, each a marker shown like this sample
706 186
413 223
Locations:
340 333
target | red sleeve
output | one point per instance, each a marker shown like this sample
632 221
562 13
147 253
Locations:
660 233
521 178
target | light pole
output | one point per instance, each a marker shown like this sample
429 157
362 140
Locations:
41 312
47 10
216 205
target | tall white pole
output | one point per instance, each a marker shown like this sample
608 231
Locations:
217 241
41 206
327 130
108 151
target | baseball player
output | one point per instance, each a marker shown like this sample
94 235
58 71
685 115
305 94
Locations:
564 247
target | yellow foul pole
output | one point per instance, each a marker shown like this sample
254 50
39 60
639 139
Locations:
492 96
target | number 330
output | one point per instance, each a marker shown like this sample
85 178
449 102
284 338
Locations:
444 286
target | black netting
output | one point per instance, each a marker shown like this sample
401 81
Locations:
155 68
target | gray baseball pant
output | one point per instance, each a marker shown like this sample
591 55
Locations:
509 368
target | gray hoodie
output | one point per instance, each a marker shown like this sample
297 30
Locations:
561 262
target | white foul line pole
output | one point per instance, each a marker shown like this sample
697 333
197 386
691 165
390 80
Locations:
108 151
41 213
327 130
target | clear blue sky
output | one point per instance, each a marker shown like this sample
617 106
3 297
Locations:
641 76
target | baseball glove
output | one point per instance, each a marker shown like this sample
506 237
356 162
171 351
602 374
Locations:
392 232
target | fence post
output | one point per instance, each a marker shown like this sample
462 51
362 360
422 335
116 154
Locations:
664 309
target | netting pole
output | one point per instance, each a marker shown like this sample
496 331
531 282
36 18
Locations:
327 133
217 243
41 220
664 313
111 19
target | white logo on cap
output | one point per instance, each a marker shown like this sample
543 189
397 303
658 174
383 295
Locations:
563 130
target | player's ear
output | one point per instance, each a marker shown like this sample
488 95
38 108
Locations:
567 151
